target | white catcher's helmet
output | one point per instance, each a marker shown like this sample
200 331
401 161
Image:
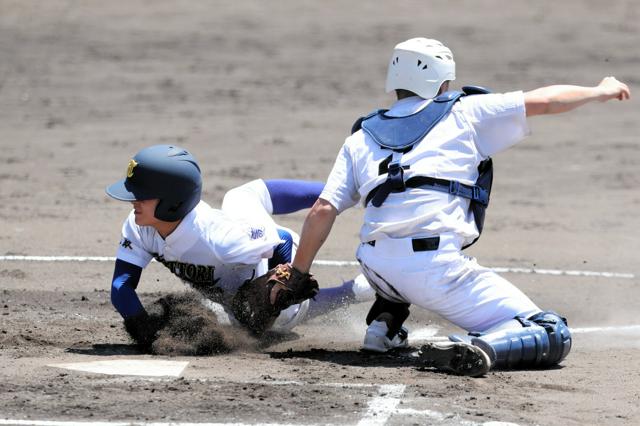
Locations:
420 65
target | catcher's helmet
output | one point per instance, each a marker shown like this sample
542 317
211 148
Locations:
420 65
166 172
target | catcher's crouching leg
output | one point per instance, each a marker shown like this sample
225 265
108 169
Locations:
258 302
543 341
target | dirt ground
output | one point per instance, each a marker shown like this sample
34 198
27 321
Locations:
270 89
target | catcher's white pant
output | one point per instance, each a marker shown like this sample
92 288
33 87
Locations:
444 281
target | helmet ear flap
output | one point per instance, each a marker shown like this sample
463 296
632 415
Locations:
170 210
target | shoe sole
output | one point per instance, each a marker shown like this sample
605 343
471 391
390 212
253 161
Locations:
458 358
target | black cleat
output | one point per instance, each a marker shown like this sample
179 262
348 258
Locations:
458 358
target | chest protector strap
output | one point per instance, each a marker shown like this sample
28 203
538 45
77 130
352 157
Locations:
400 134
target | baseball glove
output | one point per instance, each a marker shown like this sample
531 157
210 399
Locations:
259 301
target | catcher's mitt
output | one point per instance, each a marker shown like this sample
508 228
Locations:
259 302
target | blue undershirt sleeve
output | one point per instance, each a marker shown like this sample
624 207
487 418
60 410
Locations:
123 289
288 195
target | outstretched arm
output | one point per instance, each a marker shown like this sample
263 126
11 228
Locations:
562 98
315 231
123 289
141 325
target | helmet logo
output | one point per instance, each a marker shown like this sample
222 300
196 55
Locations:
132 165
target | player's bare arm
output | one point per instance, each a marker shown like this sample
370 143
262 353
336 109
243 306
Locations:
562 98
315 231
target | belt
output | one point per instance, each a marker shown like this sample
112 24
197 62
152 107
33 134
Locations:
419 244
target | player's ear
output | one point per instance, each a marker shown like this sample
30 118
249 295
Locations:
444 87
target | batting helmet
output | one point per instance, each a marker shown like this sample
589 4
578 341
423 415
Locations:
166 172
420 65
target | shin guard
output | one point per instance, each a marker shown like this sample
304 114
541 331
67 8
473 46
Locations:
544 340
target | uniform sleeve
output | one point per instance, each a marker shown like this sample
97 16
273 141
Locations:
123 289
243 242
499 121
340 189
132 247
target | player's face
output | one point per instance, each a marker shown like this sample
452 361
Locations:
144 212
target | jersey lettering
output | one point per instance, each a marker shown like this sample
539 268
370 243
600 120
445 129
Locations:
256 233
194 274
125 243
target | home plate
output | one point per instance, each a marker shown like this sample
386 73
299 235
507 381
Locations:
129 367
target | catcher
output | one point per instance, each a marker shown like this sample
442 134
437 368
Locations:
236 257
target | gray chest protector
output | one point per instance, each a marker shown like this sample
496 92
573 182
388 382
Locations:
400 134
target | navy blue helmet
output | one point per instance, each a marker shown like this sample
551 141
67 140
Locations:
166 172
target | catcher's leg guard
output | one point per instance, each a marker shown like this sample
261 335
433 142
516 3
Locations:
543 340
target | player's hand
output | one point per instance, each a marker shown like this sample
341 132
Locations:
144 326
611 88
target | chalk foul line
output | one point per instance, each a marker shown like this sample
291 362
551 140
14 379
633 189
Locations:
558 272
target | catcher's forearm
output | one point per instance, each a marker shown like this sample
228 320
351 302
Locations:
315 231
563 98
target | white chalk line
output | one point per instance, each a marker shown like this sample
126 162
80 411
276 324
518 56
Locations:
385 405
608 329
339 263
380 408
429 334
378 412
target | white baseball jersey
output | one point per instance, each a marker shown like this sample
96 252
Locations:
477 127
213 250
444 281
216 251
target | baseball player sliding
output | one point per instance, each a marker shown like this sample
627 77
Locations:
423 172
218 252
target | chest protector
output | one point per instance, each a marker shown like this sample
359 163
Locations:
400 134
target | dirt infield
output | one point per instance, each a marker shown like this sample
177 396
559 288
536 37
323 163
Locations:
270 89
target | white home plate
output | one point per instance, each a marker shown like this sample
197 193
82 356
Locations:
129 367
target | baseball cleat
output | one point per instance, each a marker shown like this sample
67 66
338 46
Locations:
458 358
376 339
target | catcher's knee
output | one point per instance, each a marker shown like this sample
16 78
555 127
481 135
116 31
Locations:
558 333
544 340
